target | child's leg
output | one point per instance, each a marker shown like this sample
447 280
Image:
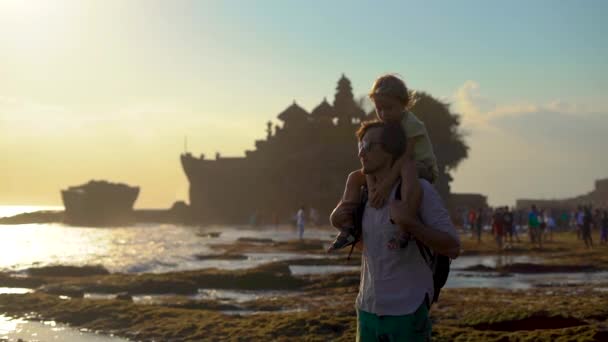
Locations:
342 217
411 194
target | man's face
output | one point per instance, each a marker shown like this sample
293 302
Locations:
371 154
388 109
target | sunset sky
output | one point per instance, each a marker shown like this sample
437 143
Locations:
109 89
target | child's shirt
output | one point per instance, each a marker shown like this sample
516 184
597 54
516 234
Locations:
423 151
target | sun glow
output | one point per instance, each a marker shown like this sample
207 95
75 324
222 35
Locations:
33 21
26 7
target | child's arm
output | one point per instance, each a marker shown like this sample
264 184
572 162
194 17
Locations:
342 215
379 192
410 187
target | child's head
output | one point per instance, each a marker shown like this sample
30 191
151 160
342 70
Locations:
390 97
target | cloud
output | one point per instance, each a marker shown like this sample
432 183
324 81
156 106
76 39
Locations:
543 150
480 112
13 109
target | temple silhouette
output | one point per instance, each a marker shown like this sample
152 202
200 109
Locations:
303 161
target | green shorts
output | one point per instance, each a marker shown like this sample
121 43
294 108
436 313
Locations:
413 327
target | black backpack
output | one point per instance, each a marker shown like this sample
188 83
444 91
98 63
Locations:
439 264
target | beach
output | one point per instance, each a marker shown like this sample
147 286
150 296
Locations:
179 283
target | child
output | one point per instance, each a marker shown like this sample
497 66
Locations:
391 99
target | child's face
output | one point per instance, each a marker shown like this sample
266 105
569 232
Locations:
388 109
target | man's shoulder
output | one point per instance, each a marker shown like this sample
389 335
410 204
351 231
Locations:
426 185
430 195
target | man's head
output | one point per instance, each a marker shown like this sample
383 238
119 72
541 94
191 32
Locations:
390 97
380 145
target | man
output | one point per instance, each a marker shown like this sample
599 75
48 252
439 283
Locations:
396 282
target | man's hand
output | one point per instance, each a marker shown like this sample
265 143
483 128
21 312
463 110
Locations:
380 194
399 215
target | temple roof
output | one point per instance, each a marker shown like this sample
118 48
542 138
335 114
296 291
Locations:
294 112
323 110
344 83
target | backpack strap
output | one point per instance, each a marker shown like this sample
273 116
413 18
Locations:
426 253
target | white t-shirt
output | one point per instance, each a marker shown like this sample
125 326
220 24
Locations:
300 217
396 281
580 218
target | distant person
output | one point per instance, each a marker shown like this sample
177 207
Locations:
300 222
534 227
472 217
604 228
580 221
313 215
465 218
396 287
565 221
391 98
498 227
509 226
597 219
586 230
520 218
573 221
542 225
551 225
479 224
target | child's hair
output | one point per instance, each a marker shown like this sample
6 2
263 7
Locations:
390 85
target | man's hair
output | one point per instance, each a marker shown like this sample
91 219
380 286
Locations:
390 85
392 138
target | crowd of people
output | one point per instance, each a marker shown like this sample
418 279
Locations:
506 224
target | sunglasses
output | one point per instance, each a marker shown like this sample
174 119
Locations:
367 145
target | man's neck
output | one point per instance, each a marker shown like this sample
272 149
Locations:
381 174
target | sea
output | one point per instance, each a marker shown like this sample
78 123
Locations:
159 248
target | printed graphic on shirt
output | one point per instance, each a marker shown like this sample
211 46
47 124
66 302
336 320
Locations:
399 241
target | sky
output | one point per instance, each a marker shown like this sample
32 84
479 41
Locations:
109 89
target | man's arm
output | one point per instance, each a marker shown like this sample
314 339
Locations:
436 229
